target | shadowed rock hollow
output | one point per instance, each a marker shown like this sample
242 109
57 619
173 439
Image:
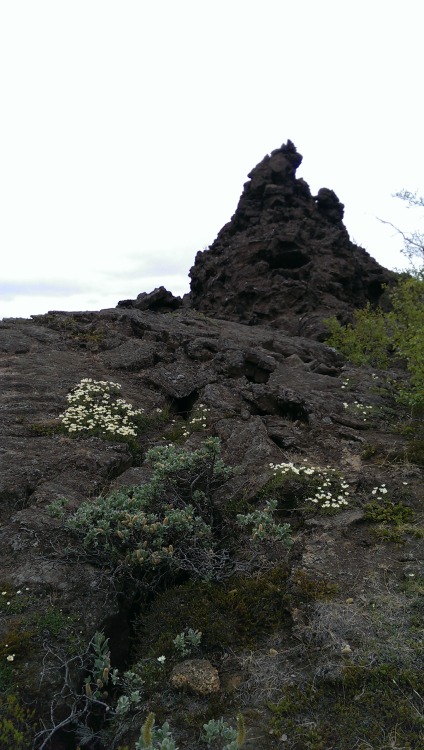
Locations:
285 259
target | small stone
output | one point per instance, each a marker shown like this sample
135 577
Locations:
349 600
197 675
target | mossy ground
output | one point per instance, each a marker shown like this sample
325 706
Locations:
369 707
232 615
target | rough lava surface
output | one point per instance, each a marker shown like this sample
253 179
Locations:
285 259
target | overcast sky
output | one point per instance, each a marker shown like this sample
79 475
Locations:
128 129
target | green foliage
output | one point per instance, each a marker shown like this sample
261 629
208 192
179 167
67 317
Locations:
374 335
368 706
408 335
366 341
57 507
46 428
155 738
187 641
230 615
388 512
217 731
393 518
15 724
264 527
165 524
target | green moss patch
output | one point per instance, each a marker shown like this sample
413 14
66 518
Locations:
231 615
376 708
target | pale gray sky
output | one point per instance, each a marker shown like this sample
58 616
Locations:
128 129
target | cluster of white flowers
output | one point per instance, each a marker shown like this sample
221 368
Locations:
345 384
290 467
359 408
95 407
329 489
379 491
198 420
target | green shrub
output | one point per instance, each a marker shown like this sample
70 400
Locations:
217 731
375 336
264 527
155 738
366 341
187 641
164 525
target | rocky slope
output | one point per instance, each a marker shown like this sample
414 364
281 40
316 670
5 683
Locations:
318 645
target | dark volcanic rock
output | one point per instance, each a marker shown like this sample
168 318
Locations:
160 300
270 398
285 259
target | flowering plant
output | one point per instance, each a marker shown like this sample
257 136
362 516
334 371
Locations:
324 488
95 408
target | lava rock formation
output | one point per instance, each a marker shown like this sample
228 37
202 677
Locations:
285 259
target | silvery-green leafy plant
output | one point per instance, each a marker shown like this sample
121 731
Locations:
163 525
187 641
155 738
217 731
263 525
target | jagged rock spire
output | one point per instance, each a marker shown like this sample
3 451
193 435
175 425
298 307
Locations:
285 258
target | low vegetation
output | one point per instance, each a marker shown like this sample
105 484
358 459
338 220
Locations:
379 338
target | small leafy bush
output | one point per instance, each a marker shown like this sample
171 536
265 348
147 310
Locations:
167 523
366 341
375 336
263 525
187 641
217 731
155 738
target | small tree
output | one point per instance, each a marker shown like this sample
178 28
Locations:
375 337
413 242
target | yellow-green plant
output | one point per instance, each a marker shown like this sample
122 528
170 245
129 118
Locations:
376 337
15 724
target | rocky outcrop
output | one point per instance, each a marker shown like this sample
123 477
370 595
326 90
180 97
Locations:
285 259
160 300
271 618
